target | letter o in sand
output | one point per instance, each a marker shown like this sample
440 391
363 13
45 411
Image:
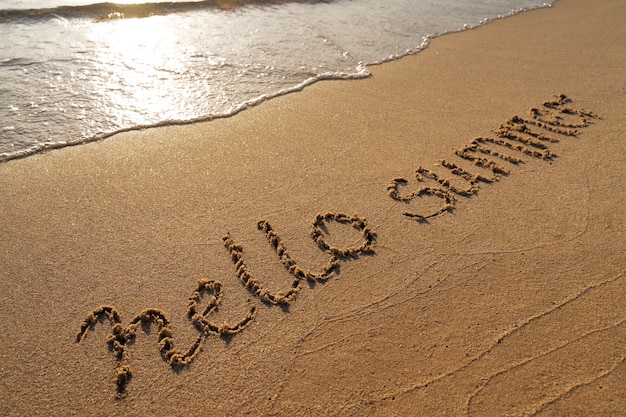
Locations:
356 222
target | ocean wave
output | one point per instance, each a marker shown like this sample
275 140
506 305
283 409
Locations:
66 82
109 11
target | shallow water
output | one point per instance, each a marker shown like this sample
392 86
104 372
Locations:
72 74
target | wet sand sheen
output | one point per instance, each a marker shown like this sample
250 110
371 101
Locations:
320 282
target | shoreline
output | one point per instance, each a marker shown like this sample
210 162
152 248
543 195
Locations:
49 146
361 71
363 247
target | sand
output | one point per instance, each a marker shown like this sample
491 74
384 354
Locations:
309 256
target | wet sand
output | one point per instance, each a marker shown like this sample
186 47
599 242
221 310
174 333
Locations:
446 237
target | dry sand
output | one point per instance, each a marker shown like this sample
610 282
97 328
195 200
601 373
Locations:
511 302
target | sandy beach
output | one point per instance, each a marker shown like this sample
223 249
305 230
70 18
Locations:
445 237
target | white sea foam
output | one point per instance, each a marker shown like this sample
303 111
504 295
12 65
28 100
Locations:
74 74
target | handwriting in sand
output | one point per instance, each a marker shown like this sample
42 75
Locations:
530 136
121 337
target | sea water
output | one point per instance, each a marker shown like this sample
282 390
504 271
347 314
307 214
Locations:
72 71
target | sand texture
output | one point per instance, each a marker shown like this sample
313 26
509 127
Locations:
446 237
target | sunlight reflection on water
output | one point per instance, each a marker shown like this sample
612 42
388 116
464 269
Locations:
141 55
